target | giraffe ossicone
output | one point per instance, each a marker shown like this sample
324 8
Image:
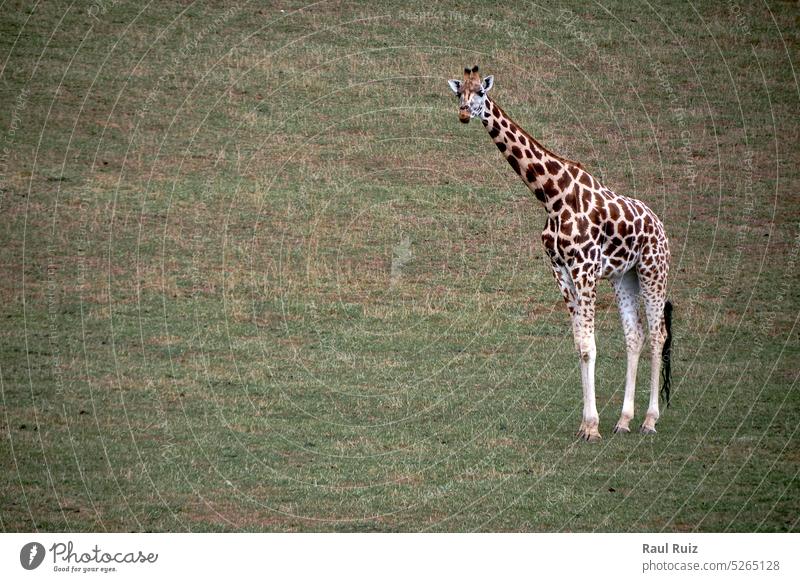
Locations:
590 233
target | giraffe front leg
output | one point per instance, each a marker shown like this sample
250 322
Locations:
580 302
590 424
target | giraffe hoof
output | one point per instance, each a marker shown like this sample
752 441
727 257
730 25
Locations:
589 433
647 429
620 429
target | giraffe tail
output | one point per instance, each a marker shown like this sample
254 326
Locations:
666 355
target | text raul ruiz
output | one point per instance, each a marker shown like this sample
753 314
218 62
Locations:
666 548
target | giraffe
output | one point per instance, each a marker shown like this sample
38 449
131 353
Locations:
591 233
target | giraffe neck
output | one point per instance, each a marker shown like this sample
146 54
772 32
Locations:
548 176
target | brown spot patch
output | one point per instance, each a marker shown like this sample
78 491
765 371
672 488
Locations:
552 166
583 224
569 200
628 213
550 189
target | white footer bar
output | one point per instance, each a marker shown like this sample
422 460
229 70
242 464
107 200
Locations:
379 557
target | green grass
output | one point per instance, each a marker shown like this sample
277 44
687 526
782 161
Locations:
202 329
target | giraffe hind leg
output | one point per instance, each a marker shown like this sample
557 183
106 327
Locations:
626 289
654 295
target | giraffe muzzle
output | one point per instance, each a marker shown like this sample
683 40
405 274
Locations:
463 115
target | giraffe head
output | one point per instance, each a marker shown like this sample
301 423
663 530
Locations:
471 93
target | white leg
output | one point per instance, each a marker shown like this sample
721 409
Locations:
583 336
588 356
627 293
586 293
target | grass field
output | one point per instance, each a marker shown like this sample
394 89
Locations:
256 276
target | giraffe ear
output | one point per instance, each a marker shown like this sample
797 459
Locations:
488 82
455 85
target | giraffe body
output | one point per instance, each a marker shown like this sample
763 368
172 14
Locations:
590 233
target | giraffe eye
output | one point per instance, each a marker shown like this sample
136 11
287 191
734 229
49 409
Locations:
480 93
